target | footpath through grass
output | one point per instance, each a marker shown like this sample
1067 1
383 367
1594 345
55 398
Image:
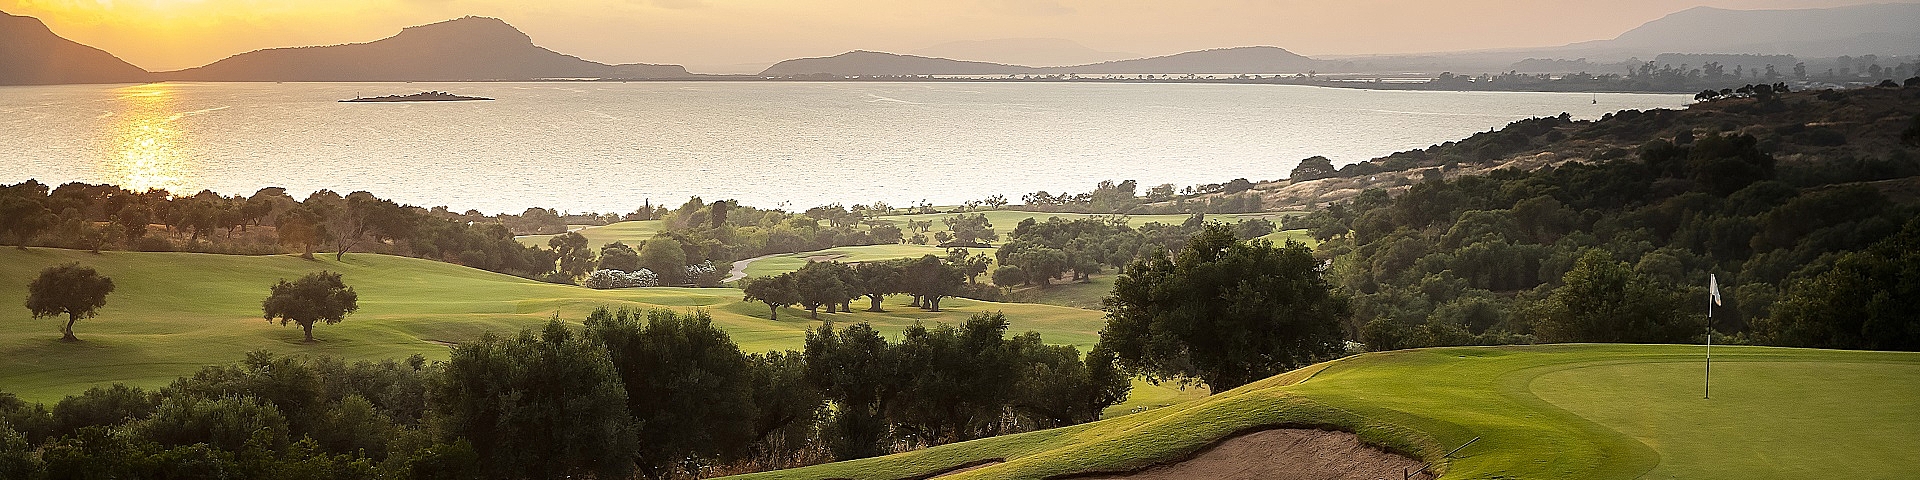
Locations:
173 313
1556 412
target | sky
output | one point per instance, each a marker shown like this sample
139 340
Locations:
737 36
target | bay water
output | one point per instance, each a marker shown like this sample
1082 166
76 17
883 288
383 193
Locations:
609 147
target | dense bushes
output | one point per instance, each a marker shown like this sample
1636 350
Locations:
1865 300
945 384
605 279
660 393
1610 251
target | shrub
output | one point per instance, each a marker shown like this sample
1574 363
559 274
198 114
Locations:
705 274
103 406
607 278
1824 137
229 423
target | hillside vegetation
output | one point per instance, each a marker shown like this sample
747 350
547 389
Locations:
1826 136
1778 197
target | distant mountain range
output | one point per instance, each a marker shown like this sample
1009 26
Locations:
464 49
1880 29
1262 60
31 54
480 49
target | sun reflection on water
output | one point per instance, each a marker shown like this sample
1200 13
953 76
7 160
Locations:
146 151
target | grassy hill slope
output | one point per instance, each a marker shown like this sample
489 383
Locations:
1558 411
633 233
787 262
175 312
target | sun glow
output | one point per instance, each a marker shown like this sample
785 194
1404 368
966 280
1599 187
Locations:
145 141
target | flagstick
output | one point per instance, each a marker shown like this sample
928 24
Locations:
1709 377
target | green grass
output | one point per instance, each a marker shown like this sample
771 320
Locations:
783 263
1875 425
1280 237
1560 411
631 233
175 312
1067 294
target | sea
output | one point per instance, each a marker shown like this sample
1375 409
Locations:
611 147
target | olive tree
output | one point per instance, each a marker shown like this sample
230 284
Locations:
319 296
775 291
70 289
1225 312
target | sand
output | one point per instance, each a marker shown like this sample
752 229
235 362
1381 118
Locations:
1283 454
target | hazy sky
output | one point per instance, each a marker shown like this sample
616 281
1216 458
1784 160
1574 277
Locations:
709 35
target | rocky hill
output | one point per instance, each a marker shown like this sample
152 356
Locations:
464 49
31 54
867 63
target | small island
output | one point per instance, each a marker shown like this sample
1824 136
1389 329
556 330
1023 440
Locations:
418 97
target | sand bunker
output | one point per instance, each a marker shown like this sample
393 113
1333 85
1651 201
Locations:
1284 454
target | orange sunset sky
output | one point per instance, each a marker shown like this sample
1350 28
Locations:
742 35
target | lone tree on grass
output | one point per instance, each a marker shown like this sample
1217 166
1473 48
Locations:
775 291
70 289
315 297
1224 312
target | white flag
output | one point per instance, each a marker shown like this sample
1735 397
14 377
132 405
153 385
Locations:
1713 288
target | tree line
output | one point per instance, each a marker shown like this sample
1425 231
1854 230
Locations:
1124 197
1038 252
96 217
835 285
707 236
659 394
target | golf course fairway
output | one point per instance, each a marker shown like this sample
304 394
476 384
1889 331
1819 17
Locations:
1554 412
172 313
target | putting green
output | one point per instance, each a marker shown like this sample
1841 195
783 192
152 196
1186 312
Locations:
1553 411
1766 419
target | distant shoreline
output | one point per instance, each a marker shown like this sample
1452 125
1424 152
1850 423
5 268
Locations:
1345 84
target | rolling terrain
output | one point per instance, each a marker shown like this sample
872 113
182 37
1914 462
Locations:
1553 411
172 313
